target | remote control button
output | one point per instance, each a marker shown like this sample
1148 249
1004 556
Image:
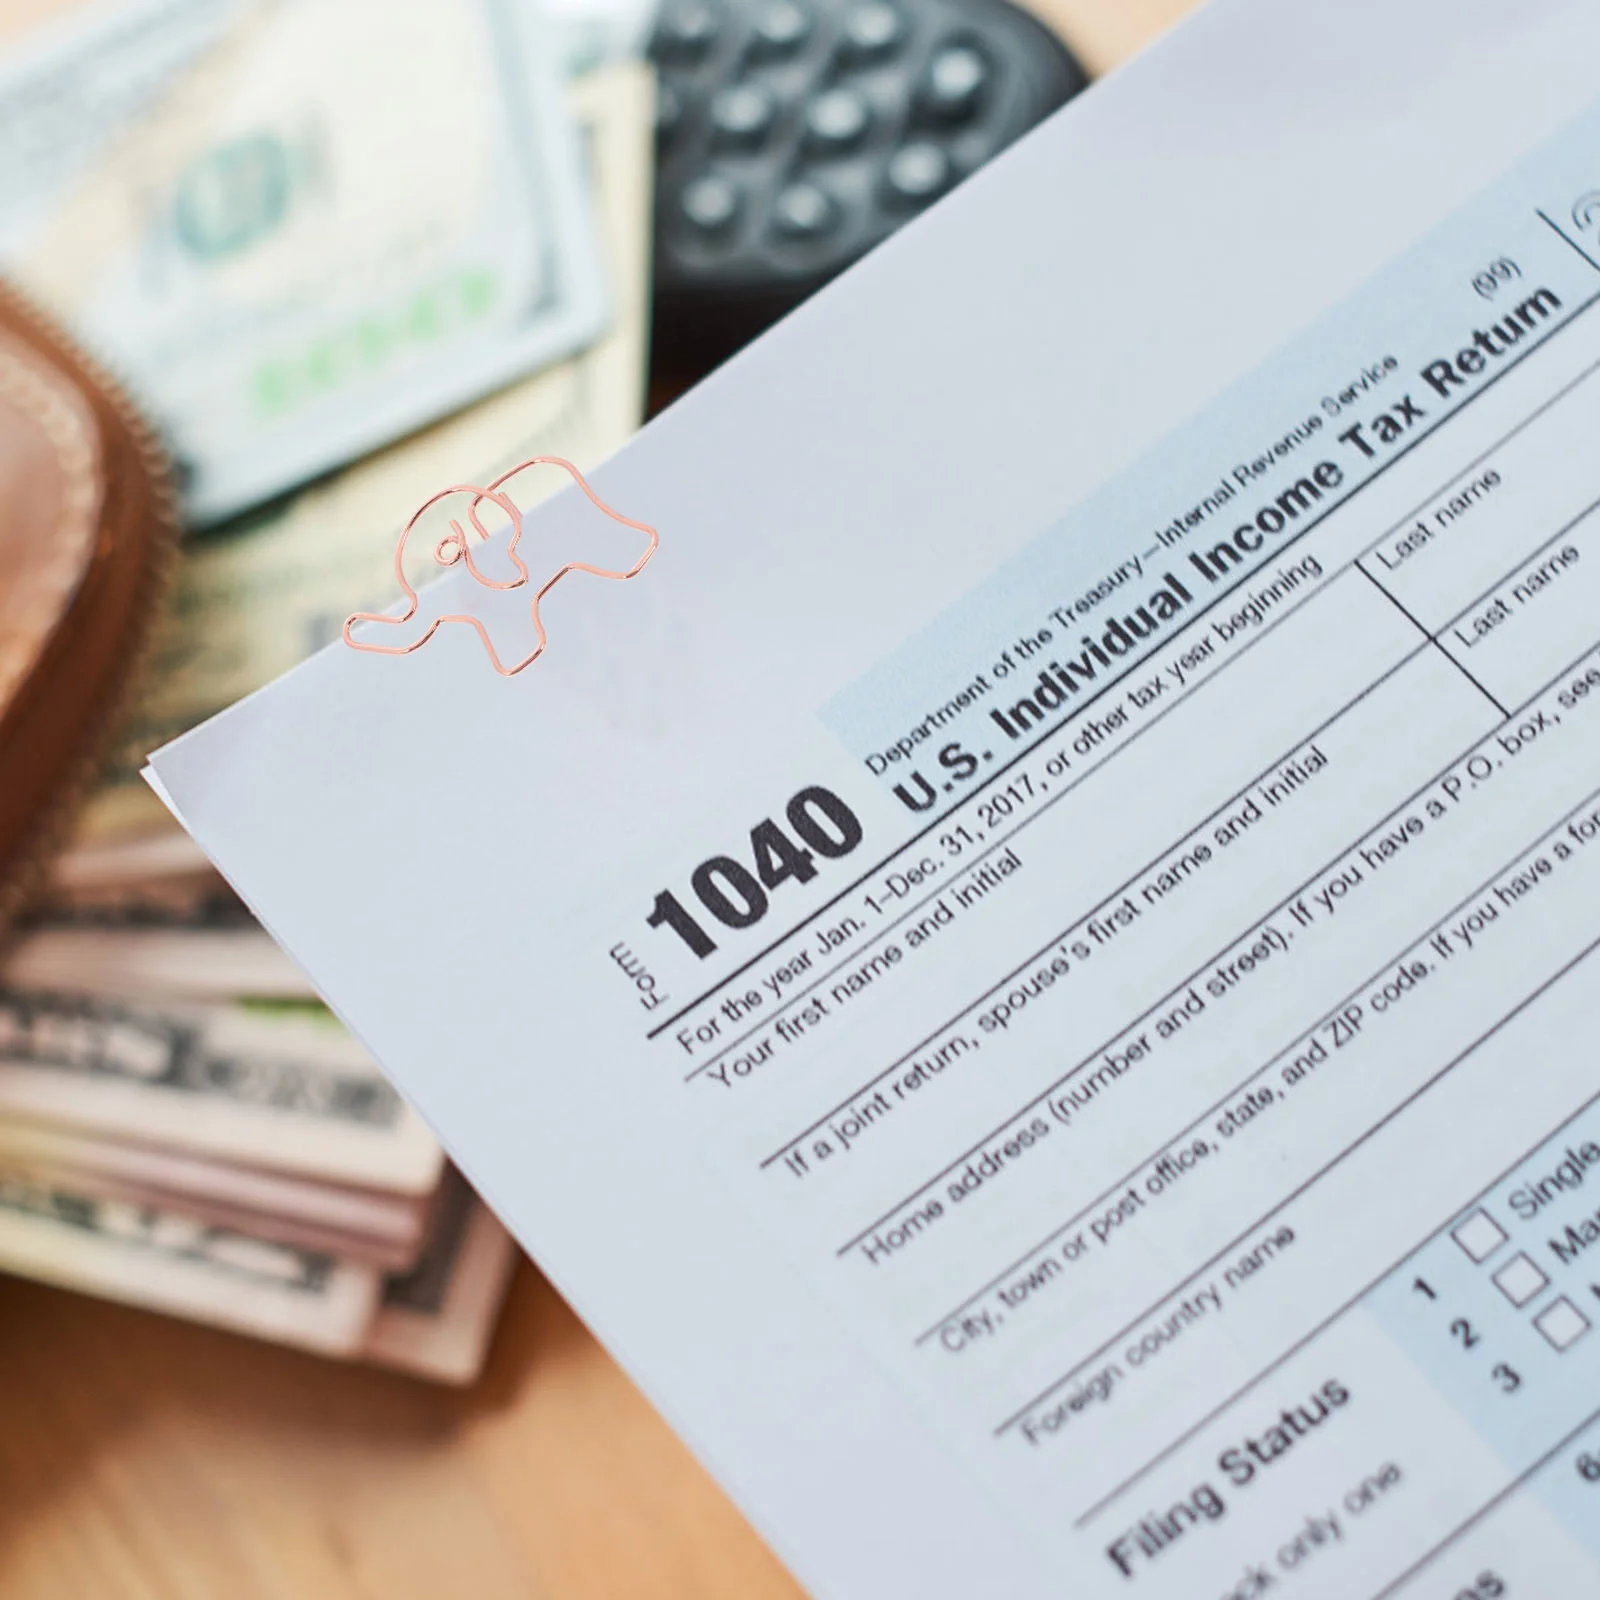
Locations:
871 30
669 112
780 26
917 172
741 115
803 211
954 83
709 204
836 120
685 31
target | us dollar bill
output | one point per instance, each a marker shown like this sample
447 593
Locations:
359 1224
170 1262
255 598
278 1089
309 226
435 1320
175 962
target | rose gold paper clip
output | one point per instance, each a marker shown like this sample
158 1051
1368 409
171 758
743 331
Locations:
455 546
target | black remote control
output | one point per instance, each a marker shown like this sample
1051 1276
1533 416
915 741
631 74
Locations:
793 135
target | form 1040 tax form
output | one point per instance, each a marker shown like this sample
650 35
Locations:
1034 975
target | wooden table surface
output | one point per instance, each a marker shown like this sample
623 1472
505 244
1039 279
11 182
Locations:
144 1459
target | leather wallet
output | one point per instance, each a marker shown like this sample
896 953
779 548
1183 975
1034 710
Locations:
88 523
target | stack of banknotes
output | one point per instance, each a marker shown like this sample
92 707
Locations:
182 1124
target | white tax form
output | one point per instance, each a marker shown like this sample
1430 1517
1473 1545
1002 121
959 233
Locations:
1034 976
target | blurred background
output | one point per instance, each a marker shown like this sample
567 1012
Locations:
279 270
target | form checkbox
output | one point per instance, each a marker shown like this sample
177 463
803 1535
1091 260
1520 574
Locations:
1479 1235
1519 1280
1562 1323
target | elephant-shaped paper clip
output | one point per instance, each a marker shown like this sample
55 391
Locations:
455 546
